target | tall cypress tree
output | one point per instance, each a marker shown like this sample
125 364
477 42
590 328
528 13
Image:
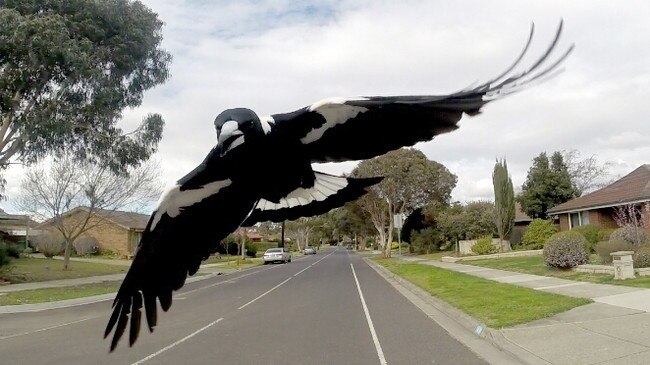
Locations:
504 199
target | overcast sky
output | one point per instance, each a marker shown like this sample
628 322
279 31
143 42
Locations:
277 56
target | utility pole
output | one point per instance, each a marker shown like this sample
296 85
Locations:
282 238
242 232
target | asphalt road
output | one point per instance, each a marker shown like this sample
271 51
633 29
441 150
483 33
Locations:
309 311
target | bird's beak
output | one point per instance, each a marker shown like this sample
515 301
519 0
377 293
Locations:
229 133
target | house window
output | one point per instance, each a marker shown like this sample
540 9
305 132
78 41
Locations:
578 219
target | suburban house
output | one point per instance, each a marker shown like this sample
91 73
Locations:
598 208
16 228
522 220
116 231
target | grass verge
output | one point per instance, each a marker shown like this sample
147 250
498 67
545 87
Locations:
495 304
535 265
27 269
54 294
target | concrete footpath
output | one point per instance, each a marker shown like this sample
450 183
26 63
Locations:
205 272
615 329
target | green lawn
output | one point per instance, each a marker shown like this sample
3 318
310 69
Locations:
535 265
53 294
33 269
495 304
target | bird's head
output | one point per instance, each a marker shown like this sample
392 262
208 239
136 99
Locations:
235 126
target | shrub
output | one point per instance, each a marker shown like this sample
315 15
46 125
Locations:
4 255
484 246
425 241
28 251
590 232
565 250
636 236
642 256
49 243
539 230
251 250
86 245
516 237
12 249
603 249
604 233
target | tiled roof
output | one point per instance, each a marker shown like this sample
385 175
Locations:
520 216
634 187
128 220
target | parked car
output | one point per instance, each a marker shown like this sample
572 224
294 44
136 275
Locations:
309 250
277 255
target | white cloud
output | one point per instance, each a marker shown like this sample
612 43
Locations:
276 56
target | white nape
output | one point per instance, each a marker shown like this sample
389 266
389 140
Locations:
174 200
266 122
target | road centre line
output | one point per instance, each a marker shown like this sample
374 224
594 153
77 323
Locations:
228 279
238 277
312 264
177 342
46 328
220 319
375 339
266 292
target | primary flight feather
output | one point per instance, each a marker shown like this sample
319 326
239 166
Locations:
225 190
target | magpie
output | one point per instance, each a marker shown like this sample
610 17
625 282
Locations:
261 170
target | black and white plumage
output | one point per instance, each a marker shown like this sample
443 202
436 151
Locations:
261 170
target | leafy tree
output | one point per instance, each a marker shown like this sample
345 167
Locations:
410 181
504 200
478 218
458 222
353 221
68 68
300 231
547 185
51 189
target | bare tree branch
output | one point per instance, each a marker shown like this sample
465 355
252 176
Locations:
51 189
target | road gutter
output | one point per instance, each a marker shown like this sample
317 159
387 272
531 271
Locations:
490 345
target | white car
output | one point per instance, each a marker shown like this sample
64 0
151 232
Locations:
276 255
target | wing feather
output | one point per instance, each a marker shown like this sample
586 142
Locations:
343 129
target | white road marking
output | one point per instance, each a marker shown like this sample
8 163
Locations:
266 292
45 329
177 342
375 339
225 281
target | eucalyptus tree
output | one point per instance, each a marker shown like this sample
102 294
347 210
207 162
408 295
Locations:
68 69
411 181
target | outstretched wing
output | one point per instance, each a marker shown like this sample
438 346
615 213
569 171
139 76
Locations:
327 193
180 234
341 129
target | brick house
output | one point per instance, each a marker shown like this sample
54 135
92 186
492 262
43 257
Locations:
598 207
116 231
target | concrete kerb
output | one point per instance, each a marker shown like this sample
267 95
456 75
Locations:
491 344
37 307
